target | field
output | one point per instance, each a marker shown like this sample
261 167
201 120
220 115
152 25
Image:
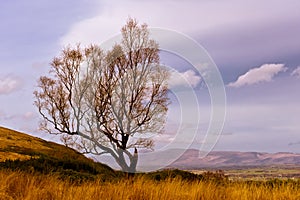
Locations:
21 185
34 169
260 173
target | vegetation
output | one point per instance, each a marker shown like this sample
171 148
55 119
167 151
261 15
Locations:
259 172
37 169
19 151
21 185
15 145
75 171
106 102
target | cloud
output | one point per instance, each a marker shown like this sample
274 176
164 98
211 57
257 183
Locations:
184 79
264 73
164 138
296 72
204 17
9 84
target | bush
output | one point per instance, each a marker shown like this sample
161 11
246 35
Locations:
173 173
217 177
67 168
75 176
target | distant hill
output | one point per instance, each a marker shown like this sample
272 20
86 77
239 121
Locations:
24 152
19 151
222 159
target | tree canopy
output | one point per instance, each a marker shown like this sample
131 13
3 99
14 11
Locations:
106 102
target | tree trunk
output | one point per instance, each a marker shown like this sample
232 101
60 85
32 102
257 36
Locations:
133 159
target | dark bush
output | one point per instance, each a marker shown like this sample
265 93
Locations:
74 169
173 173
218 176
76 177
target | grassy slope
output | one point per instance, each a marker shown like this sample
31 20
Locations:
15 145
24 152
27 153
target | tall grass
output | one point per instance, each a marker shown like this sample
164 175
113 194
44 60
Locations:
22 185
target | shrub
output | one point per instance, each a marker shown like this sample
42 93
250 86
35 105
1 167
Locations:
173 173
73 169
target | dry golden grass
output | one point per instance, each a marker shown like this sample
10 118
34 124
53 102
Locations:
20 185
27 186
11 140
15 145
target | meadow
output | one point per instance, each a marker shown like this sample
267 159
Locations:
34 169
19 185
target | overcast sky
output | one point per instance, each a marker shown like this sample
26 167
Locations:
255 45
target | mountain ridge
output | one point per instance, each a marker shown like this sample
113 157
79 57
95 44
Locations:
20 146
215 159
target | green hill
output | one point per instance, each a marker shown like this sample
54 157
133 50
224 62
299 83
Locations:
19 151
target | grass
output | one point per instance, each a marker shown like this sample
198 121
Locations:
15 145
19 151
22 185
31 168
261 173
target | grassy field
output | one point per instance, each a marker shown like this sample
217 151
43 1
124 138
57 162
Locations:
31 168
260 173
21 185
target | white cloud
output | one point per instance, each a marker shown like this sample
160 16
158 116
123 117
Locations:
202 17
164 138
9 84
264 73
296 72
184 79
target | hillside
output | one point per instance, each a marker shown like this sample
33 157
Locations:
44 156
15 145
225 159
24 152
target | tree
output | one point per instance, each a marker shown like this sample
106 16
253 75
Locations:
106 102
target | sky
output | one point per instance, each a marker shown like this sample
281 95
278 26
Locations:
255 45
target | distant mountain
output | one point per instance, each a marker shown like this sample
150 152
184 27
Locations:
35 153
216 159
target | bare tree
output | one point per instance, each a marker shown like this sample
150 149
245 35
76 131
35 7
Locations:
107 102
